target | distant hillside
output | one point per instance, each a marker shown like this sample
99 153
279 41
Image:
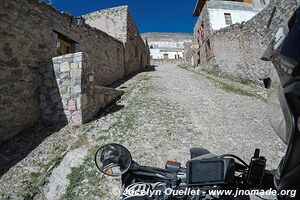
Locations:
168 40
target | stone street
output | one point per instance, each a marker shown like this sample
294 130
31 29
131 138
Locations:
163 113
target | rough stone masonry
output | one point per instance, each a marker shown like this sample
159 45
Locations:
119 23
237 49
31 86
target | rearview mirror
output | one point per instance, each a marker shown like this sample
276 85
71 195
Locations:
113 159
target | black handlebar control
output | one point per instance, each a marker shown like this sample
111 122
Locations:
257 169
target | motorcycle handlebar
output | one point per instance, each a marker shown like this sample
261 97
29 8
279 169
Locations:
166 175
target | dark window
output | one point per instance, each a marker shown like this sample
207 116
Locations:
228 20
64 45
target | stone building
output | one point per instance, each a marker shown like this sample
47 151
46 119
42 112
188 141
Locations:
216 14
236 49
167 46
54 67
119 23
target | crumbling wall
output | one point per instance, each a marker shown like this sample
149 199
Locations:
28 41
201 36
237 49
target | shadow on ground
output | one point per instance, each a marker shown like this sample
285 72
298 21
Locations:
17 148
116 84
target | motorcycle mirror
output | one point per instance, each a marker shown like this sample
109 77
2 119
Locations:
113 159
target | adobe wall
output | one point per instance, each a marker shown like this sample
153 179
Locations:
27 45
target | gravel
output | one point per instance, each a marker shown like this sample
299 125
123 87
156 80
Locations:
163 114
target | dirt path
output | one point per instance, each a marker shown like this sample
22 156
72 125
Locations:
162 114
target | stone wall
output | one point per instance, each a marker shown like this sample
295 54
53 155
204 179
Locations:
137 53
78 98
119 23
113 21
237 49
28 39
200 54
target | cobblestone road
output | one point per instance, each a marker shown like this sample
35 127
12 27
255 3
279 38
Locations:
161 116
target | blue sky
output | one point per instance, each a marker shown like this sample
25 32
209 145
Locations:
149 15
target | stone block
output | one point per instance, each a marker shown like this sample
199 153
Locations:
64 75
78 81
78 102
75 73
64 67
56 67
72 105
63 90
66 97
76 89
91 78
76 117
67 113
66 82
58 80
74 65
78 57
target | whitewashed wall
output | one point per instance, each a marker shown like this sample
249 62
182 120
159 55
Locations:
155 53
158 54
217 18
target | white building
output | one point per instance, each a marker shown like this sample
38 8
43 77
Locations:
221 18
168 45
166 53
222 13
216 14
